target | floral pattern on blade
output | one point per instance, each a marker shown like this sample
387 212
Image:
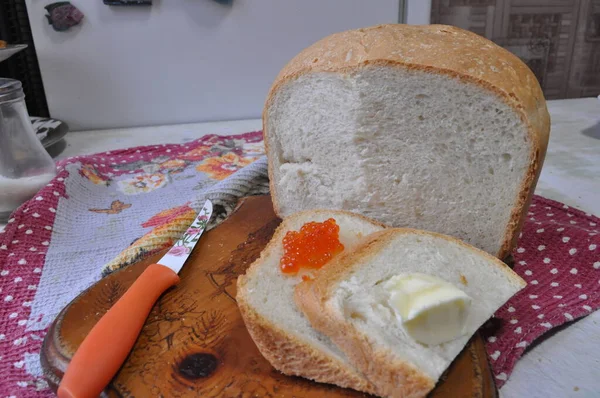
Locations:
184 246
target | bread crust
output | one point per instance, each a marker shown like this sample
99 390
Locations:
284 351
391 377
292 357
444 50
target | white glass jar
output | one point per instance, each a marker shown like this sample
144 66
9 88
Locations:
25 166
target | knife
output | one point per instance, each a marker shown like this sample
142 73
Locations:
105 348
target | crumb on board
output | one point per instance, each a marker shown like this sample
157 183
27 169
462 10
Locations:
463 279
575 388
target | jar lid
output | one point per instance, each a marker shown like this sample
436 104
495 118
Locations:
10 90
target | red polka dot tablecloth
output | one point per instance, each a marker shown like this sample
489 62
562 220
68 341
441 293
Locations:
558 255
142 196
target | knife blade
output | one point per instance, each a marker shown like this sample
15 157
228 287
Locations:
105 348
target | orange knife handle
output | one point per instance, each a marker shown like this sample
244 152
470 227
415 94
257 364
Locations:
108 344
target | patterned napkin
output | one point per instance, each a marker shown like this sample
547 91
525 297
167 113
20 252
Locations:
102 212
111 209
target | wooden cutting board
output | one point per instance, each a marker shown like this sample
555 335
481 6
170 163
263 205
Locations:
194 342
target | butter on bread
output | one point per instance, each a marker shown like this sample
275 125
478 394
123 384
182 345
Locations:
348 302
431 310
283 335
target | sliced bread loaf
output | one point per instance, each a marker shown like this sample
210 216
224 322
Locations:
429 127
282 333
349 302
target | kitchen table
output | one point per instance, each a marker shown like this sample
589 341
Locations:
564 364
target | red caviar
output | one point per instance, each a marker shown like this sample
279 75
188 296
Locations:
312 247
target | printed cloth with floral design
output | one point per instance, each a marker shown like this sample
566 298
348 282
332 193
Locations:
102 212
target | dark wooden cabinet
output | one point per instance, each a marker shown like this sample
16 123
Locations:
558 39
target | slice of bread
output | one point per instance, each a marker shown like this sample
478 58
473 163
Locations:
429 127
282 333
348 303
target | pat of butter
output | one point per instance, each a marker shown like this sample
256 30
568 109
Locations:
431 310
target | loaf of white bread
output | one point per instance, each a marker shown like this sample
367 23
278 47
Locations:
350 326
429 127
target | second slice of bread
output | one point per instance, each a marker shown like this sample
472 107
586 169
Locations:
282 333
348 303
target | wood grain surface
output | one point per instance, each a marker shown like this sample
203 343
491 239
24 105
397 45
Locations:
194 342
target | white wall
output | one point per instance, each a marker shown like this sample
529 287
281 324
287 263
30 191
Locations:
181 61
418 12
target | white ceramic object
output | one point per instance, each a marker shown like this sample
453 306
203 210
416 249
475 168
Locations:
10 50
